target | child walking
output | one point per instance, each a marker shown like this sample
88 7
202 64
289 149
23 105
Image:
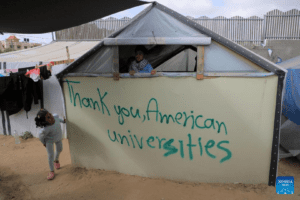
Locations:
49 134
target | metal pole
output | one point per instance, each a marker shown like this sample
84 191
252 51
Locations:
8 123
3 122
42 93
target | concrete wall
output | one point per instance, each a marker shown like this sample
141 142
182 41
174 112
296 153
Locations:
176 133
285 49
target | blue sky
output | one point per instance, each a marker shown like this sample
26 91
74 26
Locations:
194 8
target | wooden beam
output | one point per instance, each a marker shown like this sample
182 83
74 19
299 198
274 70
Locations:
68 54
200 63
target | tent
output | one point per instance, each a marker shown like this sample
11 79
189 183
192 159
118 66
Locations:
216 119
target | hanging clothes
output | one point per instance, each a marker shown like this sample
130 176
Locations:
45 73
34 74
10 96
19 91
24 70
31 92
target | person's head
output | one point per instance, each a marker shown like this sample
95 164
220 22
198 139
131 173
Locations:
44 118
139 53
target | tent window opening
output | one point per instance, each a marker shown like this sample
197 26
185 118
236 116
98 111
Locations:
162 58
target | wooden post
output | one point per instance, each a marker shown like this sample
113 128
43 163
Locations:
200 63
68 54
115 60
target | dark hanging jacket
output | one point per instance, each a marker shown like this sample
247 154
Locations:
44 73
31 91
10 95
18 91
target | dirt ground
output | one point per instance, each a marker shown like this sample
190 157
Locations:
24 167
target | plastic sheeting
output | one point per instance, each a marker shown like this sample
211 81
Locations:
218 58
100 62
159 24
184 61
291 100
293 63
168 58
290 137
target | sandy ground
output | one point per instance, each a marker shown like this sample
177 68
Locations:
24 167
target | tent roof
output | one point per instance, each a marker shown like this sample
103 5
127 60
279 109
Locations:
293 63
33 16
164 22
160 28
55 51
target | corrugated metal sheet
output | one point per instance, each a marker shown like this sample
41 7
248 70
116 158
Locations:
54 51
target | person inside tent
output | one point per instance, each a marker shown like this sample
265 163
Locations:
140 64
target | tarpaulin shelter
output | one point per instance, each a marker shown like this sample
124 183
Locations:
291 103
33 16
216 119
289 138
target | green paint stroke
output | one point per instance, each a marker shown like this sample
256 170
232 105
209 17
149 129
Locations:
209 145
170 148
150 139
190 145
229 154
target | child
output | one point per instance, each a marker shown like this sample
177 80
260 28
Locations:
140 64
49 134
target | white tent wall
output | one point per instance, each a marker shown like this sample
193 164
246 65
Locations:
218 58
53 96
107 134
17 65
53 102
20 123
